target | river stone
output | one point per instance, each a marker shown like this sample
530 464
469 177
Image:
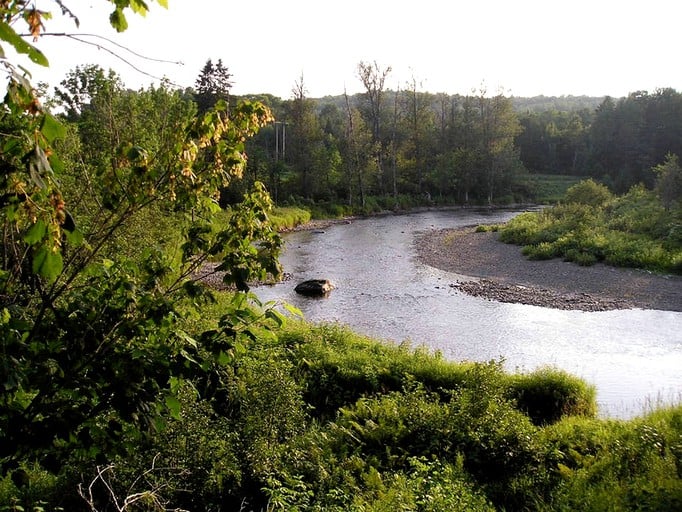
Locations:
314 287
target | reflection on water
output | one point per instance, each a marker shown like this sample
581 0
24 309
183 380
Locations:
633 356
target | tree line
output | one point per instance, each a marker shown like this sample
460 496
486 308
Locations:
408 144
464 149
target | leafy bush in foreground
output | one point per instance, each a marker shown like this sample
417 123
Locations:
403 429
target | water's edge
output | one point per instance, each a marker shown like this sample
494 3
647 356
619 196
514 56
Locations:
632 356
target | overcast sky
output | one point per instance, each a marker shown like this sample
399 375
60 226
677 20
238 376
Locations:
521 48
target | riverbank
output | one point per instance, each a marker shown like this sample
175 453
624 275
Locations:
497 271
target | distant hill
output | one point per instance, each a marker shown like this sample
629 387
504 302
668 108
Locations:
558 103
521 104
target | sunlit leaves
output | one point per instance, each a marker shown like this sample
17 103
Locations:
118 20
36 233
52 129
8 34
100 329
117 17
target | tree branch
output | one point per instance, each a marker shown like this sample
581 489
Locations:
78 37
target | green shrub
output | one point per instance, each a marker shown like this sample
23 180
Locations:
338 366
613 465
547 395
638 211
426 486
633 230
541 251
487 228
203 450
29 488
588 192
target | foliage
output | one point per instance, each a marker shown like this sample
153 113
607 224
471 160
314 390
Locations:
588 192
556 141
341 367
632 230
33 18
413 431
122 374
289 217
459 148
630 136
618 466
93 351
669 181
212 85
546 395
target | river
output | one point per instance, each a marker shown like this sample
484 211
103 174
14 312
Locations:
633 357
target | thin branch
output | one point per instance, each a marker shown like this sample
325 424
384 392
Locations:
77 37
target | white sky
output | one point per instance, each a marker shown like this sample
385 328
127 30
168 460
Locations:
518 47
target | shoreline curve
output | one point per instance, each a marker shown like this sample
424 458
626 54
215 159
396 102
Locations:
494 270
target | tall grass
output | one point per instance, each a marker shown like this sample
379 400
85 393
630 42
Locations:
288 217
550 188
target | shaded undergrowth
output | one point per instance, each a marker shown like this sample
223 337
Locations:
321 418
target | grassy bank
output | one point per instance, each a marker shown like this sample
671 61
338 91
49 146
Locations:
320 418
548 188
591 225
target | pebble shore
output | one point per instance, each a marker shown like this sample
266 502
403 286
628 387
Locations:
491 269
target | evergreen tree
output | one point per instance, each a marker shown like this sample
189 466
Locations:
213 84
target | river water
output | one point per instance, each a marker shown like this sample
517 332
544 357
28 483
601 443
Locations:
633 357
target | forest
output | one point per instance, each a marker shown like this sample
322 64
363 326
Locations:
386 149
127 384
409 145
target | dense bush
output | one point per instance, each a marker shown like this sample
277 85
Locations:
547 395
632 230
611 465
588 192
320 418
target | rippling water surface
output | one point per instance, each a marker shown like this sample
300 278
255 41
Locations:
634 357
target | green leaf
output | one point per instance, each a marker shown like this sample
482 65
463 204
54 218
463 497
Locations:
74 238
118 20
276 316
39 166
139 7
293 310
8 34
52 129
224 358
174 406
36 233
48 263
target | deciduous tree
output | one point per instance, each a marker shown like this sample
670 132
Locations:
90 337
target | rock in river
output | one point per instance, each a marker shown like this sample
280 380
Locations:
314 287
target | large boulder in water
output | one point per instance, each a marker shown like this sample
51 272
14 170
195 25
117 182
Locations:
314 287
